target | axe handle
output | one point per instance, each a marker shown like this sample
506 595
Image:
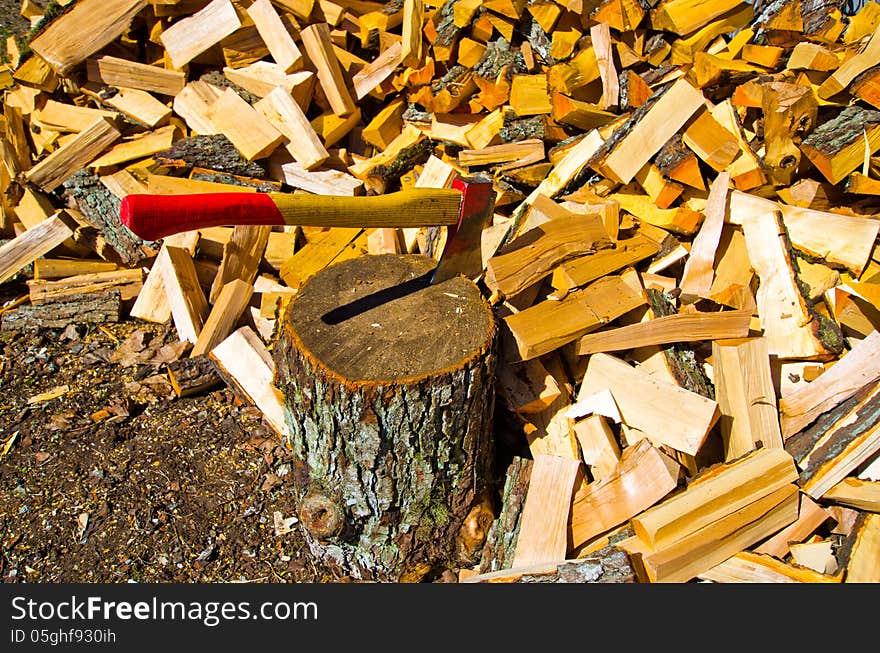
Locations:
155 216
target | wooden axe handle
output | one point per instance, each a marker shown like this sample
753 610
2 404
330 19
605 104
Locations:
152 217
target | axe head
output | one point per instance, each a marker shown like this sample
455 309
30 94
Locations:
462 253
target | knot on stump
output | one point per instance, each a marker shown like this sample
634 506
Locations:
321 516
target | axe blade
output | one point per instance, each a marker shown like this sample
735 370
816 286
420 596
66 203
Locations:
462 252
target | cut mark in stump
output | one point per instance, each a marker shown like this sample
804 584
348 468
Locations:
375 300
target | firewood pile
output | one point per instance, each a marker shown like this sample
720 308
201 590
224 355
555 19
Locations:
681 257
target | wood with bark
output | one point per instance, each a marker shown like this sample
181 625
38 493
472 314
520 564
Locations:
354 355
129 283
838 442
857 368
87 308
497 553
193 376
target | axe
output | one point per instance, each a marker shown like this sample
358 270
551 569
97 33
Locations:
465 209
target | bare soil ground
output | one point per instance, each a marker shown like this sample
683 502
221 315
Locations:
118 480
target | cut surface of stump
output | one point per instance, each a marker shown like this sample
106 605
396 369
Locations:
388 392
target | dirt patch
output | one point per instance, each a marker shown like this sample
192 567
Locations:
109 477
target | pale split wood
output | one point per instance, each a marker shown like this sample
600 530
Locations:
76 153
229 306
600 450
532 256
384 240
371 76
282 111
651 404
436 173
119 72
129 283
188 37
792 332
549 324
683 17
320 182
63 117
838 239
854 370
867 57
708 547
696 278
543 534
721 492
582 270
856 493
574 160
139 147
62 44
151 304
122 183
193 104
526 387
746 396
58 268
643 476
248 129
680 327
602 45
185 296
261 77
864 563
752 567
810 517
278 40
816 555
137 105
659 124
411 33
32 244
245 361
319 49
242 255
711 141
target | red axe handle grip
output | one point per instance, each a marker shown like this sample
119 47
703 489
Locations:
155 216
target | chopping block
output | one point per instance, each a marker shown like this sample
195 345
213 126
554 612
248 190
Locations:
387 382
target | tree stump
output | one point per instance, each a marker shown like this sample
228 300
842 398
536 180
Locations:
388 389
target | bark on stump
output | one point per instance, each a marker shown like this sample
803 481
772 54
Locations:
388 392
